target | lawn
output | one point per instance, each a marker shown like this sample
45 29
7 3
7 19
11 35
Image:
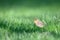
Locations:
17 22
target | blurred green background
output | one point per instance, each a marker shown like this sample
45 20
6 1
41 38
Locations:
17 19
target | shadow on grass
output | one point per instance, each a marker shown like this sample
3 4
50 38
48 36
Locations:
21 30
56 35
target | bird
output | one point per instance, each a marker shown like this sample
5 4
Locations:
38 23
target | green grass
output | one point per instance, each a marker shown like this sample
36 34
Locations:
16 23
